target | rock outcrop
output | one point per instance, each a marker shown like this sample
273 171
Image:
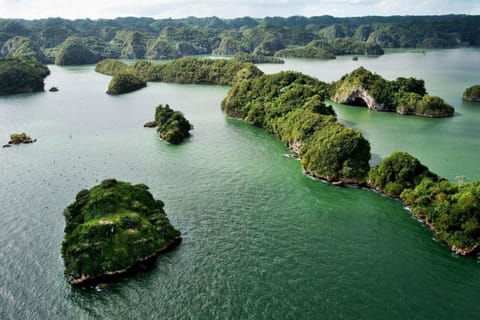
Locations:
360 97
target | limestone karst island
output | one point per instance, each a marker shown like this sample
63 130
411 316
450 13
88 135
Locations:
189 160
111 228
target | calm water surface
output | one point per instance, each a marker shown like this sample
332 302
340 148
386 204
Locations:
261 241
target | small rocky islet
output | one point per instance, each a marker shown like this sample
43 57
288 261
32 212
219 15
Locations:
472 93
19 138
112 228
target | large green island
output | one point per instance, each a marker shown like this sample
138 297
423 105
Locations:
183 70
290 106
111 228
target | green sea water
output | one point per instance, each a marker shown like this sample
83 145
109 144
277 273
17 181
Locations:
261 240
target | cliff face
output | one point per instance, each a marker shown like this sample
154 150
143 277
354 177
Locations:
360 97
403 95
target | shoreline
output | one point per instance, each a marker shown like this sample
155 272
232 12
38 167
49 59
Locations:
473 251
85 280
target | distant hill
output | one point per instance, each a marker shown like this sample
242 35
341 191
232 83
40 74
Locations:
138 38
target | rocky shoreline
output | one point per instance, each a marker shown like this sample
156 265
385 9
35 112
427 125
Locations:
473 251
85 280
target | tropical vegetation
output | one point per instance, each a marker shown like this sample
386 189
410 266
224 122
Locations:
19 75
112 227
472 93
403 95
172 125
60 40
125 81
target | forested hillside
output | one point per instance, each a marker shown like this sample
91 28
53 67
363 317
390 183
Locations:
62 41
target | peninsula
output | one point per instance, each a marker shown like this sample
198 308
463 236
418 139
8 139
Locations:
111 228
184 70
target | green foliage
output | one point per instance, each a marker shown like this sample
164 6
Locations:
453 210
19 75
74 51
110 66
138 38
199 71
254 58
404 95
336 152
21 47
472 93
342 46
397 172
111 227
172 125
125 81
311 52
290 105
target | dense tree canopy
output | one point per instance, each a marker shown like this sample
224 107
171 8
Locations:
111 227
125 81
290 105
186 70
472 93
75 51
172 125
404 95
20 75
139 38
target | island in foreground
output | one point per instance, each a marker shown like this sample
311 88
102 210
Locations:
112 228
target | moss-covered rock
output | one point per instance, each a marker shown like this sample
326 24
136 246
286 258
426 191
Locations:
20 75
124 82
111 228
472 93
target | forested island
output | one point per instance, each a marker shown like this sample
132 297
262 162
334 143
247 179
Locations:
171 125
111 228
125 82
291 106
472 93
19 75
183 70
85 41
403 95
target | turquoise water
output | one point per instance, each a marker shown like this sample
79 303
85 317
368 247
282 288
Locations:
261 241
